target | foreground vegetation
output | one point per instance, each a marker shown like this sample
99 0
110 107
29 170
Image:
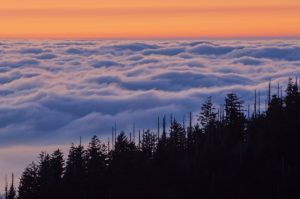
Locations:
231 155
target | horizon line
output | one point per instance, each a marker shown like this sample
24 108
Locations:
152 38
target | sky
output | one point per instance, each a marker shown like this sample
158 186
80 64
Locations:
54 91
149 19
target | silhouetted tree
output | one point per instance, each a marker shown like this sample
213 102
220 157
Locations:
148 143
44 176
29 184
11 192
75 174
234 119
96 162
207 115
56 174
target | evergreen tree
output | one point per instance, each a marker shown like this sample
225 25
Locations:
122 144
44 176
234 119
178 136
11 192
29 184
233 109
96 160
207 115
148 143
292 99
275 107
56 174
75 174
162 142
6 187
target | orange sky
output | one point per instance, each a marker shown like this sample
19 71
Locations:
149 18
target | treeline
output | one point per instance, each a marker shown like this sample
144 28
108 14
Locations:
231 154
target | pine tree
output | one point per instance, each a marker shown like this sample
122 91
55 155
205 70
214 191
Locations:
162 143
96 168
6 187
75 174
164 133
178 136
29 185
207 115
233 107
234 119
11 192
44 176
148 143
122 144
292 97
56 174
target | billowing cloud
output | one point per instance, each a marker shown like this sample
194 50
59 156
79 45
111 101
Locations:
147 61
47 56
195 43
99 63
16 64
165 51
248 61
131 46
195 64
9 78
212 50
135 58
289 54
81 51
75 44
31 51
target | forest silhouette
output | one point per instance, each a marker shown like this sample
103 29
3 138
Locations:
232 154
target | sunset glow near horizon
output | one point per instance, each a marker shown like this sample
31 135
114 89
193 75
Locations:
149 19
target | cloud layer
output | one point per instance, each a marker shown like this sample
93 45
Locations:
52 91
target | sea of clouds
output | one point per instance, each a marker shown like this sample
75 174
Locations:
53 91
